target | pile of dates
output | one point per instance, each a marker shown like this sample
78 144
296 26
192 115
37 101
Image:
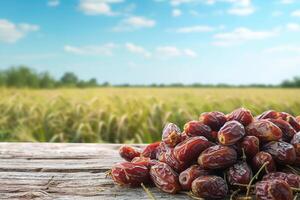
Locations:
220 156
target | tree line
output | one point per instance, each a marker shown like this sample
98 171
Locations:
25 77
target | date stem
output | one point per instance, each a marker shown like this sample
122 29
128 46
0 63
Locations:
294 170
255 177
234 193
150 195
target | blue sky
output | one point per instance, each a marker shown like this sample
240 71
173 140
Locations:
154 41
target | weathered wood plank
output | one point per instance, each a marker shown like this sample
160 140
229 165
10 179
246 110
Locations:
63 171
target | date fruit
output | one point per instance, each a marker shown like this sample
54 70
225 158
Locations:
190 174
165 178
196 128
144 161
287 130
209 187
169 158
273 190
150 150
131 174
269 114
291 120
284 153
215 120
241 115
230 133
239 173
296 143
261 158
189 150
250 144
217 157
171 135
292 179
264 130
129 152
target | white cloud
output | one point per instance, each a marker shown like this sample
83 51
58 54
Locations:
53 3
137 49
195 29
11 33
240 35
241 11
293 27
134 23
172 51
283 48
97 7
179 2
295 13
287 1
93 50
176 12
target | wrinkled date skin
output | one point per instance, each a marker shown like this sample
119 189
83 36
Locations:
291 120
210 187
190 174
130 174
169 158
165 178
262 157
241 115
296 143
196 128
189 150
269 114
287 130
284 153
292 179
129 152
144 161
215 120
264 130
239 173
150 150
273 190
298 119
231 132
217 157
171 135
250 144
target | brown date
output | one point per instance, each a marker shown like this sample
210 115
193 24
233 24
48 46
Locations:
210 187
169 158
292 179
239 173
296 143
190 174
291 120
269 114
215 120
261 158
284 153
250 144
150 150
287 130
273 190
217 157
171 134
230 133
196 128
129 152
189 150
241 115
298 119
131 174
264 130
144 161
165 178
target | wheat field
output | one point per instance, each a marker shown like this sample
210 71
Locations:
123 115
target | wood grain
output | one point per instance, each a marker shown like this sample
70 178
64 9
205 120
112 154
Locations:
64 171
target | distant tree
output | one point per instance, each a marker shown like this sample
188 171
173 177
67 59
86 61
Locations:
21 77
69 79
46 80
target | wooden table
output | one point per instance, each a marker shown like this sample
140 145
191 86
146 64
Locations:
63 171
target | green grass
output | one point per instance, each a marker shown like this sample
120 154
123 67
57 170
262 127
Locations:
123 115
